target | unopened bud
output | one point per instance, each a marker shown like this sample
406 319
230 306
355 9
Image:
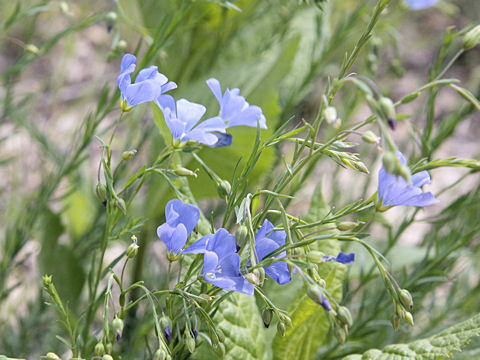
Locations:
340 335
261 275
390 162
47 280
344 315
409 318
107 357
205 298
370 137
108 347
315 292
404 172
346 225
119 203
165 324
400 311
120 46
132 249
220 335
267 315
99 349
388 109
117 326
241 236
181 171
409 98
52 356
63 5
281 328
189 341
406 298
395 320
221 350
32 49
101 191
286 320
330 114
160 354
252 278
127 155
224 188
111 20
472 38
315 257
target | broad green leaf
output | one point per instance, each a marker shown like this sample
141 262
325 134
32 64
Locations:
239 319
310 323
439 346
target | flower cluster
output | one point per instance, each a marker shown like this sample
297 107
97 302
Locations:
183 117
221 262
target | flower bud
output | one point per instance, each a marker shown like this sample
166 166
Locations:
181 171
330 114
111 20
252 278
64 8
409 98
395 320
409 318
132 249
315 257
267 315
472 38
220 335
315 292
241 236
160 354
370 137
119 203
52 356
340 335
346 225
165 324
120 46
406 299
108 347
189 341
261 275
101 191
127 155
224 188
47 280
124 106
286 320
99 349
388 109
400 311
107 357
390 162
117 326
281 328
221 350
404 172
344 315
32 49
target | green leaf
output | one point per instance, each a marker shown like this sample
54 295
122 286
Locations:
240 321
441 345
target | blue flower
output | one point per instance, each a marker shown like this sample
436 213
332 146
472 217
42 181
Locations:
394 190
221 263
149 84
183 122
181 219
234 109
341 258
267 241
420 4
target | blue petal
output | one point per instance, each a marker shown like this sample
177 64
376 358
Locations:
222 243
216 89
199 246
127 61
126 68
279 272
189 113
223 139
174 237
251 116
176 212
151 73
341 258
420 4
169 86
203 131
142 92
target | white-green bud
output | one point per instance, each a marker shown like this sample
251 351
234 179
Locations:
220 335
120 46
346 225
281 328
390 162
344 315
472 38
241 235
111 20
330 114
127 155
409 318
267 315
252 278
52 356
119 203
99 349
107 357
315 257
189 341
406 298
260 274
387 107
101 191
32 49
370 137
181 171
224 188
340 334
132 249
160 354
395 320
117 326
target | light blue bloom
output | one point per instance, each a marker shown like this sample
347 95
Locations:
267 241
181 219
341 258
420 4
149 84
183 119
394 190
234 109
221 263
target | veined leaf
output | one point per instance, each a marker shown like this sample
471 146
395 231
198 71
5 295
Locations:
438 346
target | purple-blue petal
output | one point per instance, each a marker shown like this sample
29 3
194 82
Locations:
342 258
216 88
189 113
420 4
176 212
223 139
174 237
199 246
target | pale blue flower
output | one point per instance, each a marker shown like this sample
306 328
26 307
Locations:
149 84
234 109
183 119
267 241
420 4
394 190
221 263
181 219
